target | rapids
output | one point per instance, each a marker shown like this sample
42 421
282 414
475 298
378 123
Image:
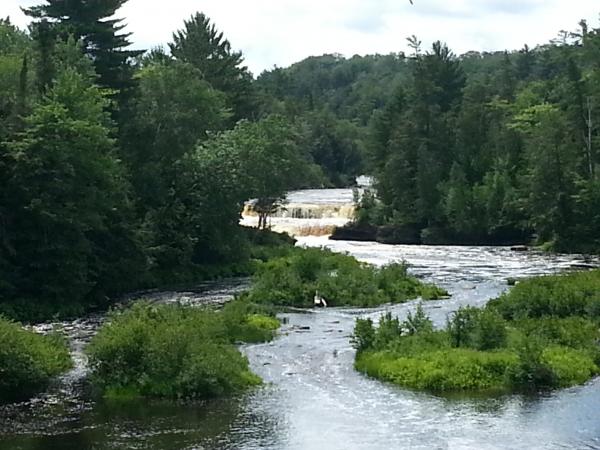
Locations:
311 212
312 398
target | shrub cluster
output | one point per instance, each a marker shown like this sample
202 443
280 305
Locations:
543 334
172 351
575 294
292 280
28 361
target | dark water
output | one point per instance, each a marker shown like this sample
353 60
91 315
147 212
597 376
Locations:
312 398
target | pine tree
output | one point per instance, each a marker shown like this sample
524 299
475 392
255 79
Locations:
203 46
89 20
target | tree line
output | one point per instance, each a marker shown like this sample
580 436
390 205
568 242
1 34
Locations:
124 169
494 147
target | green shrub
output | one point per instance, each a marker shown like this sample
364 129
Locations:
570 366
490 331
440 370
417 344
432 292
418 323
263 322
551 342
176 352
574 294
532 372
481 329
575 332
389 329
28 361
248 322
363 337
342 280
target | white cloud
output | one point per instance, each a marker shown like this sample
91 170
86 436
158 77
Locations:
280 32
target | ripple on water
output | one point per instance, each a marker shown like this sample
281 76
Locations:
312 397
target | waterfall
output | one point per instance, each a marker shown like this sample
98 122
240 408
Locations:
311 212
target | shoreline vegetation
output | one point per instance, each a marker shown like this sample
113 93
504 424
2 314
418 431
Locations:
260 246
180 352
177 352
29 361
398 234
543 334
293 279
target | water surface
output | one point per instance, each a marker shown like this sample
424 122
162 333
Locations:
312 398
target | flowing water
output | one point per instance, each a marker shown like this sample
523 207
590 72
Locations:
312 397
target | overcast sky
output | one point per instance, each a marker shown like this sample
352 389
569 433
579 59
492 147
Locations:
281 32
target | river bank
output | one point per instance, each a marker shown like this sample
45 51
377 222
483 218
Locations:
413 235
260 245
312 397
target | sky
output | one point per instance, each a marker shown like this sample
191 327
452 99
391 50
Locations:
280 32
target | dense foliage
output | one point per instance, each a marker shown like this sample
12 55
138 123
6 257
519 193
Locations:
293 279
120 171
542 334
171 351
124 170
494 148
28 361
332 99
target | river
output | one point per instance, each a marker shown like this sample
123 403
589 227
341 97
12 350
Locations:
312 398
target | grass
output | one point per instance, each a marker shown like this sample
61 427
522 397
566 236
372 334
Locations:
543 334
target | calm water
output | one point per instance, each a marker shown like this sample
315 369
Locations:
312 398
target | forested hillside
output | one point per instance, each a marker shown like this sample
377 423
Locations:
479 148
487 148
332 99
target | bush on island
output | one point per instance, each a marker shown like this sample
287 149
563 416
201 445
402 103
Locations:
292 280
28 361
543 334
171 351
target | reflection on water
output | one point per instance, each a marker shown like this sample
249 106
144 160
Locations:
136 425
312 397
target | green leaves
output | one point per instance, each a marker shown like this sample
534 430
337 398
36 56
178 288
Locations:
69 197
170 351
342 280
548 338
204 47
28 361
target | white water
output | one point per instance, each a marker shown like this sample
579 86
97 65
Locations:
311 212
312 398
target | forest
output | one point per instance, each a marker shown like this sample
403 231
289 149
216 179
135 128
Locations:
124 169
481 148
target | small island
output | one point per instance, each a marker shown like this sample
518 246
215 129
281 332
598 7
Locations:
542 334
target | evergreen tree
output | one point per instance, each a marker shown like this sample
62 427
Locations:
92 22
203 46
